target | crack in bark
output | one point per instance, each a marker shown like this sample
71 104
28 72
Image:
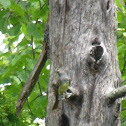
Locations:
91 99
80 19
65 12
108 2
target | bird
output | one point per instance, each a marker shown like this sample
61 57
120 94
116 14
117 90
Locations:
63 84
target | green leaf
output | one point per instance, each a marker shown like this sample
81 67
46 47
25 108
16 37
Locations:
125 2
32 30
15 79
23 76
123 113
119 4
24 28
31 63
5 3
26 52
119 16
15 59
39 106
17 10
123 23
3 24
22 5
36 13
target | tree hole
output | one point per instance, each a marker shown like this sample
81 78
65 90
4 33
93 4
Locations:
108 2
96 52
64 120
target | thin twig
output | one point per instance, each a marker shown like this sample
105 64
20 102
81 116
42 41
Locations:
40 92
27 40
123 109
35 98
46 4
123 120
17 1
119 36
29 107
27 10
121 11
123 81
40 87
40 4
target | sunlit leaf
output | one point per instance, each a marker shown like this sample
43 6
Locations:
5 3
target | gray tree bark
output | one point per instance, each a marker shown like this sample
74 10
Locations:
82 36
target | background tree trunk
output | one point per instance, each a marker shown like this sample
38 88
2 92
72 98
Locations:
83 43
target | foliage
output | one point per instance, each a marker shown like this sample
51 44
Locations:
121 44
23 23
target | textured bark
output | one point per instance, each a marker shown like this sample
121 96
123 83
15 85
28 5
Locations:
83 44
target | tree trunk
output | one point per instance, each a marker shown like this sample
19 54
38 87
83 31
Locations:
82 36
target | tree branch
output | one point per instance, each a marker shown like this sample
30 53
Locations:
30 83
27 98
116 93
